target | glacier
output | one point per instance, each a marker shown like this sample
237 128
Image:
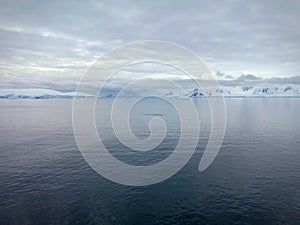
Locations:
39 94
243 91
248 91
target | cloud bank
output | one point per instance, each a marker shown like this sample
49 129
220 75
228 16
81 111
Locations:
51 44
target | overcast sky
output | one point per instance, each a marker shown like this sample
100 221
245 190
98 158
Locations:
50 44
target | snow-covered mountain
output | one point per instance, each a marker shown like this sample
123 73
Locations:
226 91
39 94
246 91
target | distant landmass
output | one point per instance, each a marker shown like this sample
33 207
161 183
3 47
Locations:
242 91
40 94
249 91
225 91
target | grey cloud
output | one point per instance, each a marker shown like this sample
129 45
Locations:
220 74
64 37
287 80
256 80
229 77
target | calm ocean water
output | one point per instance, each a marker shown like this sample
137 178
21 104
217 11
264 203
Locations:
255 179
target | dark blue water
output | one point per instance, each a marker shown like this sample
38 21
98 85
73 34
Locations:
255 179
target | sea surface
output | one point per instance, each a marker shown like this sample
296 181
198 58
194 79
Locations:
255 179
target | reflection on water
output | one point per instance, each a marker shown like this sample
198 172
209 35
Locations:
255 179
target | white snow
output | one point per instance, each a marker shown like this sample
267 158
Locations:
226 91
246 91
39 93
